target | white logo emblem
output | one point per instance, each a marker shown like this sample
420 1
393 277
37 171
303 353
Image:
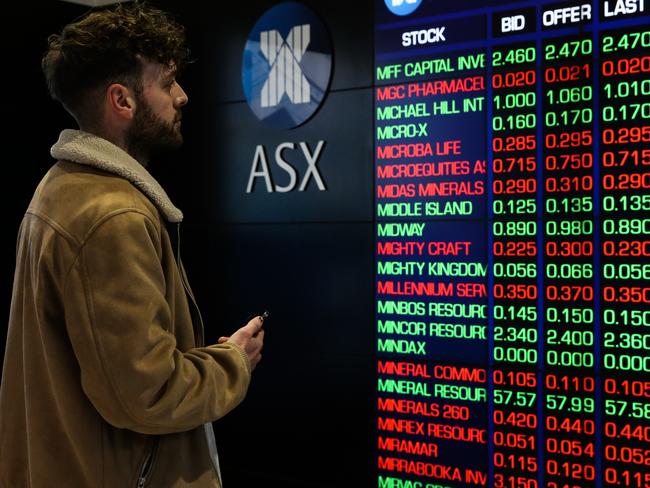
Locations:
284 58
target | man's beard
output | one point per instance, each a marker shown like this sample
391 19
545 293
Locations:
149 134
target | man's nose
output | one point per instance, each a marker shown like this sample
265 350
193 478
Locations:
181 97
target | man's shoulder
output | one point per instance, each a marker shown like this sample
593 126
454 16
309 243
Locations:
77 197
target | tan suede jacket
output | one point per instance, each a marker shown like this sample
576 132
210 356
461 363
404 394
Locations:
106 382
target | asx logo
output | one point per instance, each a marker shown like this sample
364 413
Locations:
402 7
286 65
284 58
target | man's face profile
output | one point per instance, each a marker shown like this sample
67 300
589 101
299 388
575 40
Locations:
156 123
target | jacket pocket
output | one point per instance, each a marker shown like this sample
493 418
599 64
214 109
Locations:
147 466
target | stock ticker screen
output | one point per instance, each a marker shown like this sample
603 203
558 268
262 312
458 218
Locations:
512 175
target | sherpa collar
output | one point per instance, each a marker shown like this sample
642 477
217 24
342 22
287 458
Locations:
87 149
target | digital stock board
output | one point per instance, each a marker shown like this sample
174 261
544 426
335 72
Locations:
512 176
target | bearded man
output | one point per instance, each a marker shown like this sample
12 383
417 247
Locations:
107 381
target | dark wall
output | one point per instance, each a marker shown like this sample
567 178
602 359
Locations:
306 257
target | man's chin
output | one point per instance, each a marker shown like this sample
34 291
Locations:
174 140
176 136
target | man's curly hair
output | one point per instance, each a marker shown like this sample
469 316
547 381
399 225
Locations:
107 46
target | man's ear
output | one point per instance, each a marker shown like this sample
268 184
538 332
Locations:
120 101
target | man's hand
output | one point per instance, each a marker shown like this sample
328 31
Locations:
250 338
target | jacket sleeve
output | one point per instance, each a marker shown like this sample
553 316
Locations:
119 323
